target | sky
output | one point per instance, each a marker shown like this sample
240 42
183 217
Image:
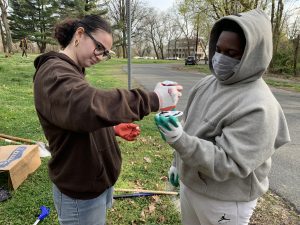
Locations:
160 4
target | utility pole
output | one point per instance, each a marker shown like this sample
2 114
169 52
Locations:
128 10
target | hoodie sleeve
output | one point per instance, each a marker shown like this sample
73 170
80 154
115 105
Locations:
242 147
68 101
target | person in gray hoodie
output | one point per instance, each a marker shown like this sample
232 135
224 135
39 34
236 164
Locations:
230 128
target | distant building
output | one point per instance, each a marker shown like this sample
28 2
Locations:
183 48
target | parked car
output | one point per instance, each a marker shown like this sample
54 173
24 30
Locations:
190 60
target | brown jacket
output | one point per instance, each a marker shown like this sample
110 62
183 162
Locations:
77 120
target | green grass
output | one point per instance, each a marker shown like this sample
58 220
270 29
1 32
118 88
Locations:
145 161
287 85
201 68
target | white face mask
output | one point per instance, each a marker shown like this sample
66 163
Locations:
224 66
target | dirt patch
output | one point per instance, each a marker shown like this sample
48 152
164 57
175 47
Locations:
271 209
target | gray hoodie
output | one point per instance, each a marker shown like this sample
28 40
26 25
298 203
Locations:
233 126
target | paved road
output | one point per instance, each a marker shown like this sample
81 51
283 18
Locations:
284 176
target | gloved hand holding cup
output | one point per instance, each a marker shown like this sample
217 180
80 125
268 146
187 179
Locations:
169 127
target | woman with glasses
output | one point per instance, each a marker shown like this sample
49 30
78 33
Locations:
80 122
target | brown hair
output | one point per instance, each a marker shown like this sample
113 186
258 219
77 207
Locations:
65 30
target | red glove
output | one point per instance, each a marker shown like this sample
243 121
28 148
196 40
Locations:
127 131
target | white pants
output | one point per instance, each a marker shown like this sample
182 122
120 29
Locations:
199 209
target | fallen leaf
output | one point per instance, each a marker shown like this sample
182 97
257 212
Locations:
161 219
147 159
155 198
138 184
151 208
143 214
164 178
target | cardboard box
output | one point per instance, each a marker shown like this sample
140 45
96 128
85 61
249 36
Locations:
17 162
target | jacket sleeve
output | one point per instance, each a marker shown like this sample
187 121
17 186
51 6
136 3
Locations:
243 146
69 102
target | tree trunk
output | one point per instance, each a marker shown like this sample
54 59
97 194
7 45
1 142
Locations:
8 38
277 26
203 46
124 30
175 48
276 18
43 47
2 37
197 37
161 47
154 47
272 14
296 52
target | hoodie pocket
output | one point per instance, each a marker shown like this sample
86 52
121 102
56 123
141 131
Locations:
202 179
193 178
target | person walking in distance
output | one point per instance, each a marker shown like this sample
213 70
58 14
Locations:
24 46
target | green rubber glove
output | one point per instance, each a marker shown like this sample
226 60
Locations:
164 121
169 128
161 121
173 120
173 176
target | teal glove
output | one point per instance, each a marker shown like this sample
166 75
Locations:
161 121
169 128
173 176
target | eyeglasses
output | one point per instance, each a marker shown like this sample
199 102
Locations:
100 49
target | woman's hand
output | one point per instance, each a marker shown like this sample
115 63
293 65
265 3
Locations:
127 131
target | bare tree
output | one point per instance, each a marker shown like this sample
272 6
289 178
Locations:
195 24
142 48
184 21
162 32
151 31
296 53
174 36
174 31
118 14
6 38
219 9
205 28
281 12
295 37
170 31
277 22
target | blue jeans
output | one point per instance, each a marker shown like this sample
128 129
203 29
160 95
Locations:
82 212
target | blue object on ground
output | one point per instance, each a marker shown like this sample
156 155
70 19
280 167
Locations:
45 212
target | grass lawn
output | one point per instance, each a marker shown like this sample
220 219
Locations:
145 161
